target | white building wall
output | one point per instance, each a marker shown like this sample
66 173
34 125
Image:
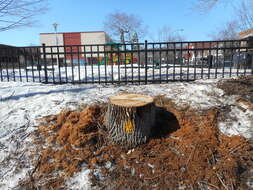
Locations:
93 38
50 40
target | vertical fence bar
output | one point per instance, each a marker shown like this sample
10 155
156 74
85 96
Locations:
238 60
246 62
132 60
119 64
58 63
65 63
1 69
188 61
217 59
105 63
146 62
251 64
38 64
78 62
209 60
32 61
174 59
45 62
1 65
160 63
19 65
52 62
125 64
202 61
92 69
167 63
26 68
13 64
153 61
231 59
72 64
85 64
99 74
139 64
181 60
6 65
98 63
224 54
111 60
195 64
249 55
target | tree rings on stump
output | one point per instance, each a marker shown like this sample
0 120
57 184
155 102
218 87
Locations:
129 119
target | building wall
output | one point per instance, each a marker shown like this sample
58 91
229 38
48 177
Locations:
86 39
50 40
93 38
246 34
72 39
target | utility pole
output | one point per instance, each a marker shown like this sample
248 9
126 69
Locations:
122 35
55 25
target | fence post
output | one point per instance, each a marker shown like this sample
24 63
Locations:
250 50
146 62
45 61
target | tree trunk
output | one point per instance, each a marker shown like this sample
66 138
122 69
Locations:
129 119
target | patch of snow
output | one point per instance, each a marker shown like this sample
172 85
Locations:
80 181
238 122
7 184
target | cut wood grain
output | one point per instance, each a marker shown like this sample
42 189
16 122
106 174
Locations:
129 119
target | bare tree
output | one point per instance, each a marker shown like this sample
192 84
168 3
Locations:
243 17
120 25
205 5
229 31
167 34
245 14
17 13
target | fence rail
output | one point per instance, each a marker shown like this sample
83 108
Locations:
140 63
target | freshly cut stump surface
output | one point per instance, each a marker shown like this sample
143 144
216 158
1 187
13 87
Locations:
129 119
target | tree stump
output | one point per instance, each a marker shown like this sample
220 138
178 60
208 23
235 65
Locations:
129 119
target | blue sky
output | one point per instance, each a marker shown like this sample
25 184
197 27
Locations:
89 15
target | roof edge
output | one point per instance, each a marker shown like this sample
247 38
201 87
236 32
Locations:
73 32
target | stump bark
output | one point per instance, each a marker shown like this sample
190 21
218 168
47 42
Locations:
129 119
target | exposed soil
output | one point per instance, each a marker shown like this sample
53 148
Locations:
186 151
243 87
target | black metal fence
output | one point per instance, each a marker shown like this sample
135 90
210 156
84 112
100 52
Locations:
127 63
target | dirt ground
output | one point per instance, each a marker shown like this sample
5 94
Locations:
186 151
243 87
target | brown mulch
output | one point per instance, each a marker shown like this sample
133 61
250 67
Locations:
186 151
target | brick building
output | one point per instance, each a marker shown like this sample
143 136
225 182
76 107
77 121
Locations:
67 41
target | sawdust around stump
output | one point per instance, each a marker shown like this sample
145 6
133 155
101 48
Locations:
191 155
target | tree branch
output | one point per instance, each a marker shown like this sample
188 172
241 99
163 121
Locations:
17 13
